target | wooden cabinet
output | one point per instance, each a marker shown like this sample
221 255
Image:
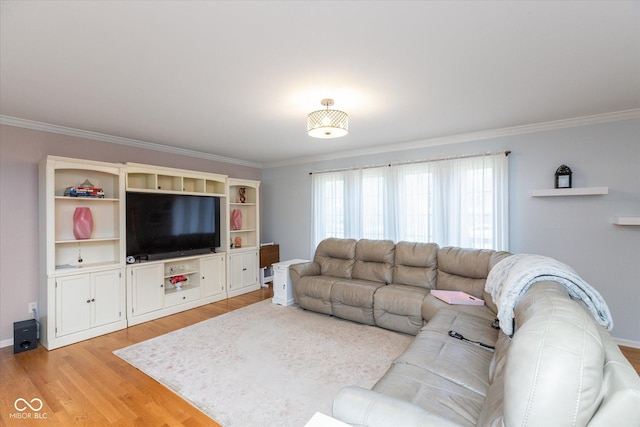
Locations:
107 297
244 214
74 269
73 312
243 272
145 288
282 285
213 277
244 232
86 301
153 290
87 289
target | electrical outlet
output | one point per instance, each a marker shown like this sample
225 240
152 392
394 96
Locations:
33 306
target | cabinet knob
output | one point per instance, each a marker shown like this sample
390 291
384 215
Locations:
162 286
88 301
93 300
244 269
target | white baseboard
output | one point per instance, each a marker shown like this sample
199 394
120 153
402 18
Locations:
627 343
6 343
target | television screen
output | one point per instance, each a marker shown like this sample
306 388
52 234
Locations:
167 225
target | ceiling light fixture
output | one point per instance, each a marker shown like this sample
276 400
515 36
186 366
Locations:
327 123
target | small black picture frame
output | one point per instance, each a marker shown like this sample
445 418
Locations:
563 177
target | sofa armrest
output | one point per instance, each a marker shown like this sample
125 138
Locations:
368 408
430 305
296 271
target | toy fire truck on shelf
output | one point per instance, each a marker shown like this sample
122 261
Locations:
86 189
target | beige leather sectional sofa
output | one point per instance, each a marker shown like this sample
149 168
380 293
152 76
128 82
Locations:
559 368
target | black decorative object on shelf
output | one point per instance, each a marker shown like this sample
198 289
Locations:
563 177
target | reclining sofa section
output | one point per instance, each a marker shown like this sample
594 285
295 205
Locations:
380 283
559 368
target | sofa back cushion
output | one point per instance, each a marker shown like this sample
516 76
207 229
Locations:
336 257
374 260
466 270
416 264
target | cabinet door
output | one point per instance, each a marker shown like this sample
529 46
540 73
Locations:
235 271
243 270
73 304
212 270
106 291
280 283
147 288
250 268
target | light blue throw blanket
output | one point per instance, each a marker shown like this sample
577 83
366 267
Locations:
510 278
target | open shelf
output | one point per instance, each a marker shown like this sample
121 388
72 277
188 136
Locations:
174 290
145 178
104 239
62 252
86 199
69 268
181 273
585 191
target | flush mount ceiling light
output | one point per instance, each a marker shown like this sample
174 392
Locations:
327 123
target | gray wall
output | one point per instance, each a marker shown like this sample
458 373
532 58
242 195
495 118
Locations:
576 230
20 152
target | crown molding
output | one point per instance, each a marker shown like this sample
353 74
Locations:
465 137
63 130
410 145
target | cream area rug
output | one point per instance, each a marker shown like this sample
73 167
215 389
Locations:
265 364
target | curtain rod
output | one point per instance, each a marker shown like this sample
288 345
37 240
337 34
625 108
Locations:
410 162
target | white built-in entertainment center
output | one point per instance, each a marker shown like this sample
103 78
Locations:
90 286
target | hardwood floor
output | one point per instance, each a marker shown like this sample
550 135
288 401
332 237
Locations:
633 355
85 384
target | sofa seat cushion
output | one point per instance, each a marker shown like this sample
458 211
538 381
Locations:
441 374
431 392
353 299
398 307
459 362
475 326
314 293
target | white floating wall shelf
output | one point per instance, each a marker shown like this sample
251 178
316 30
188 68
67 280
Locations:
627 220
586 191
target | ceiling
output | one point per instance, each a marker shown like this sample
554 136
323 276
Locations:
237 79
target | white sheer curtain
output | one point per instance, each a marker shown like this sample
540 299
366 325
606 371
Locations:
454 202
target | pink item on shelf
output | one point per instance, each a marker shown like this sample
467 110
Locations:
457 297
82 223
236 219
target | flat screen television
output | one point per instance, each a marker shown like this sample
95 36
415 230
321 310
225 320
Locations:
163 226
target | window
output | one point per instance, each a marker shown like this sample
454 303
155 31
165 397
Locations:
329 212
454 202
